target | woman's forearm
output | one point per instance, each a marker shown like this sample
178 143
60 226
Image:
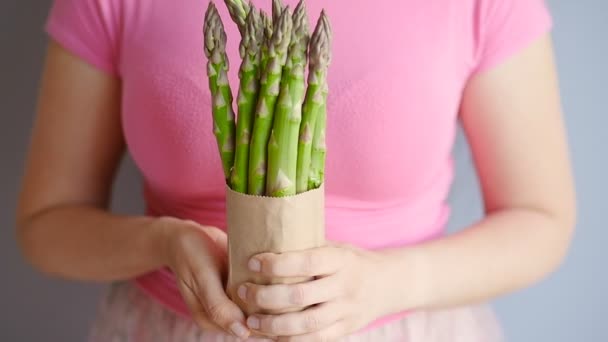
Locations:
86 243
506 251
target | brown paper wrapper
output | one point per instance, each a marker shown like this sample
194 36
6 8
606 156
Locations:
258 224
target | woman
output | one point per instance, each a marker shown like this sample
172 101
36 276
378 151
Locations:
130 75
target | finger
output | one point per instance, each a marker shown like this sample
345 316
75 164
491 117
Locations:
297 323
219 308
196 308
331 333
209 291
288 296
307 263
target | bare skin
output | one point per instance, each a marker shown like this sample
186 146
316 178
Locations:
64 226
511 115
513 120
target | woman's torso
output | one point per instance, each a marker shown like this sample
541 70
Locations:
396 78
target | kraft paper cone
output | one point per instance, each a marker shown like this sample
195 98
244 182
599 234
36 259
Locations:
258 224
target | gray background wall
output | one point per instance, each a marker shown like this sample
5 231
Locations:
571 305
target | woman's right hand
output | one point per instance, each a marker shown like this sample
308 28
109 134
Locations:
197 255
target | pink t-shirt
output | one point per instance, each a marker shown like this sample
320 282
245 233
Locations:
396 79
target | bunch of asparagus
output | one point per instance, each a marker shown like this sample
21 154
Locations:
276 144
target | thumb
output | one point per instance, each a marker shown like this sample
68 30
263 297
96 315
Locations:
219 308
200 275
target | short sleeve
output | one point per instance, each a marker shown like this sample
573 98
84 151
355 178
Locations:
88 29
504 27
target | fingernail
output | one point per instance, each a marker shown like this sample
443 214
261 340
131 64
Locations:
255 265
239 329
242 292
253 322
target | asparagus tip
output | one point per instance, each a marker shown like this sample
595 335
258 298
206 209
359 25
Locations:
277 9
320 49
238 10
213 31
300 6
300 19
281 34
326 23
253 34
267 25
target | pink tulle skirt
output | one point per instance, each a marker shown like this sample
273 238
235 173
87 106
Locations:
128 315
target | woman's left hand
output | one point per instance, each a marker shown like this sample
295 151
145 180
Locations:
347 293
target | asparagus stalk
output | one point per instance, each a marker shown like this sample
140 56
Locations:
317 160
283 144
267 98
315 99
217 68
268 22
277 9
299 15
317 163
238 10
248 93
267 27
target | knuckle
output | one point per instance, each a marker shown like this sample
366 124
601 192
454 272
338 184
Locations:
298 295
218 312
274 324
308 263
311 322
273 266
265 263
259 296
190 223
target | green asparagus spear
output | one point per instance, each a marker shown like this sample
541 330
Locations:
319 56
238 10
277 9
267 23
317 164
283 145
317 159
267 98
217 68
248 93
300 17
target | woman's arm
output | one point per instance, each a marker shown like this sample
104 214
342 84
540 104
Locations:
64 227
77 144
512 118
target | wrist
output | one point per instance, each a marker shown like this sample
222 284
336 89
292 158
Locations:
162 236
406 279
